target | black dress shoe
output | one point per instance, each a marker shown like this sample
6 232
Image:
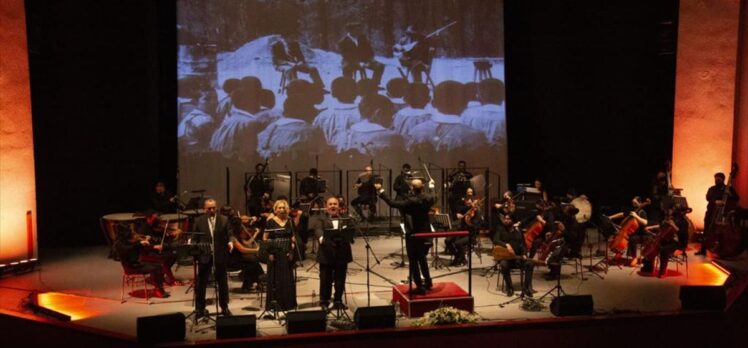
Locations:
527 292
339 305
509 291
200 313
428 285
226 312
418 291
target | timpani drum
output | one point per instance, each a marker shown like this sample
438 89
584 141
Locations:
109 223
175 221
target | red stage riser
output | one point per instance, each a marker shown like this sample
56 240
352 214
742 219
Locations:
447 294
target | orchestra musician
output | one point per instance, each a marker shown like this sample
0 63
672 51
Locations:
129 247
162 200
259 188
714 201
334 255
667 247
367 194
165 251
641 236
512 238
416 207
244 248
310 188
401 185
280 243
458 183
215 229
470 220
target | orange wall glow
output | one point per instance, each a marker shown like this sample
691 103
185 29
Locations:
17 184
704 97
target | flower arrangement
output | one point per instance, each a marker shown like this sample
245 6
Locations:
446 315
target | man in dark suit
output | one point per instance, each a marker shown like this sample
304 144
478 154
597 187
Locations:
357 53
333 255
214 228
288 58
416 207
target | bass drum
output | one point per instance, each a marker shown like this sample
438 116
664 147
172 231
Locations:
585 209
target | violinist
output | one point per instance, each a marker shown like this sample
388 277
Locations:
714 201
401 185
367 194
470 219
128 246
641 236
244 248
458 183
676 218
160 250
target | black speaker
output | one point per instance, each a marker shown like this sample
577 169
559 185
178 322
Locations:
703 297
306 321
563 306
161 328
239 326
376 317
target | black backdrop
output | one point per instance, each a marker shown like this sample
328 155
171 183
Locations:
590 87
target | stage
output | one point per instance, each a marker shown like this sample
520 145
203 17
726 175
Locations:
85 284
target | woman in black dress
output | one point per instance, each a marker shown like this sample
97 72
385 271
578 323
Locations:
281 244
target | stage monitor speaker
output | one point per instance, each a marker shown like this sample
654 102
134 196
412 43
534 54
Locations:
161 328
306 321
563 306
703 297
376 317
239 326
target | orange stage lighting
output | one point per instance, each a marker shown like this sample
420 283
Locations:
77 307
17 184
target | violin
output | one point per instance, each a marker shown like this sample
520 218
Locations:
470 214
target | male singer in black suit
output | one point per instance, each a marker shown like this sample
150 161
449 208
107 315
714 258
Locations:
357 53
213 228
416 207
333 255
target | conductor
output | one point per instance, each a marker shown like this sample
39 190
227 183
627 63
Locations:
416 207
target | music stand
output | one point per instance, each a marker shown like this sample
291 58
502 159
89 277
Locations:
402 262
439 221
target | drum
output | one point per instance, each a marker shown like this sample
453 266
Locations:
109 223
193 213
585 209
176 221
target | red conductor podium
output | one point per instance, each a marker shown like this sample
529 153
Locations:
442 294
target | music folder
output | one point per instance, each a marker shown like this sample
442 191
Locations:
340 231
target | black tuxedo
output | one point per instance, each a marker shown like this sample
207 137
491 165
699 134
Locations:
416 209
333 257
220 240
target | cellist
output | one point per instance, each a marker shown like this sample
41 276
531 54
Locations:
641 236
676 218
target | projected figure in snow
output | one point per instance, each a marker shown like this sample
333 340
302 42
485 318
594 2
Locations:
338 118
396 89
373 134
445 131
289 59
225 104
357 53
236 134
489 116
293 134
195 130
413 52
416 112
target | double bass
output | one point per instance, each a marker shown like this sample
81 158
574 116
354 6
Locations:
725 238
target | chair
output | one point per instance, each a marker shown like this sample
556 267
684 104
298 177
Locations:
677 260
132 276
513 271
287 76
426 71
482 70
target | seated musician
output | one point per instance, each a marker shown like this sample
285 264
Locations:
511 238
413 52
334 255
470 219
163 252
677 216
129 246
288 58
544 215
244 248
641 236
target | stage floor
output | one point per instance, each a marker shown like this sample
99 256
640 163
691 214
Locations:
86 284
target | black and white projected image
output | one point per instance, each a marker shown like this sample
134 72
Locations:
339 83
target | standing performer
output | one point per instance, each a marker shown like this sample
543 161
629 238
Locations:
280 244
416 207
714 199
358 54
367 194
216 230
259 188
458 183
333 256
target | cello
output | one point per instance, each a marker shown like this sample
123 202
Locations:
629 225
667 232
